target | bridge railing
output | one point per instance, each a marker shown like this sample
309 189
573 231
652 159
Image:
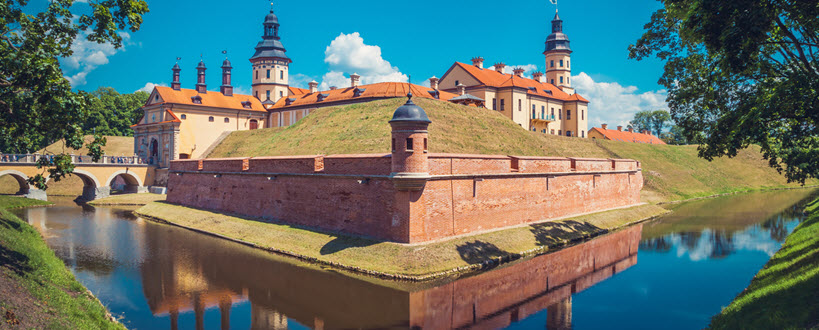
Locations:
76 159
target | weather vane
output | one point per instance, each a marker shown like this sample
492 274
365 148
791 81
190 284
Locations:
177 59
554 2
225 52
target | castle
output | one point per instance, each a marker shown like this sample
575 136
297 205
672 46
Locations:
181 123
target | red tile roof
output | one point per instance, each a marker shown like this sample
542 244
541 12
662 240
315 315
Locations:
493 78
168 114
209 99
297 91
626 136
377 90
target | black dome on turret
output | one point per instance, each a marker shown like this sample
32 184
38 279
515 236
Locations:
201 65
226 64
557 40
176 67
271 18
409 112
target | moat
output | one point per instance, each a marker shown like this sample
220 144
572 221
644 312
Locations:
676 271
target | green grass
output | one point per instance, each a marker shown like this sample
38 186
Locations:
671 172
785 293
399 260
129 199
55 298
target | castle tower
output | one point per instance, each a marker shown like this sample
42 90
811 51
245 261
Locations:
410 163
175 84
201 87
226 88
558 56
270 64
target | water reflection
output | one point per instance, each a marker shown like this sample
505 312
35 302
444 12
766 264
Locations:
188 280
159 276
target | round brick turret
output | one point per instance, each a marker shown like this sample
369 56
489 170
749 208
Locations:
410 165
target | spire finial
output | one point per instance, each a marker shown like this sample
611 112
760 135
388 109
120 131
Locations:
271 6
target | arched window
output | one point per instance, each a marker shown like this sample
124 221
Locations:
184 117
227 120
210 119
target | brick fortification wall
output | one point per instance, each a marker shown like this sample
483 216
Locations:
356 194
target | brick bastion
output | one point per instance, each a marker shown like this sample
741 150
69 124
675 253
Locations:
409 195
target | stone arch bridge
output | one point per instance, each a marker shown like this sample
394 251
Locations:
97 177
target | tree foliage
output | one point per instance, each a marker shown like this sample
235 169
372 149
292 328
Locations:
742 72
37 105
111 113
652 121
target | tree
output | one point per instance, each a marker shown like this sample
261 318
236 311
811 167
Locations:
741 72
652 121
37 105
112 113
675 135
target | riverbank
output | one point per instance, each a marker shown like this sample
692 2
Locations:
401 261
128 199
783 295
38 290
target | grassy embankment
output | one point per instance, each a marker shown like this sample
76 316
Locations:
412 262
785 293
671 172
128 199
38 291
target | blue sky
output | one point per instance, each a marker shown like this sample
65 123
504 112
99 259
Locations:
328 40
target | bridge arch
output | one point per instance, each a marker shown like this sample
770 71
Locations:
92 189
22 179
133 183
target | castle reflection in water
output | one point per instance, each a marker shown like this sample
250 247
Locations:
203 275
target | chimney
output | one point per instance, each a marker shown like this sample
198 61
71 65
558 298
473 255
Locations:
226 88
433 82
499 67
631 129
478 62
175 84
620 128
313 86
461 89
518 71
644 132
537 76
201 87
354 78
604 126
332 88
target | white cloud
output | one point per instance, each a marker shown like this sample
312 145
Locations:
87 56
348 54
300 80
241 90
149 87
614 104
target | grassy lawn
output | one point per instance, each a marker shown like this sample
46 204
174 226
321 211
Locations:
671 172
785 293
114 146
396 260
38 291
129 199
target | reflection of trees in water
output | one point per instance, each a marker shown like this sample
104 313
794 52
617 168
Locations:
690 239
722 243
658 244
777 227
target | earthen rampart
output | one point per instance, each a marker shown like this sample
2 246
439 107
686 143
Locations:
408 195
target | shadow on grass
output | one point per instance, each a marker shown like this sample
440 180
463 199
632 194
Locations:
14 261
481 252
552 233
345 242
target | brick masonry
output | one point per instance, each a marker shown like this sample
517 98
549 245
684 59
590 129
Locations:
356 194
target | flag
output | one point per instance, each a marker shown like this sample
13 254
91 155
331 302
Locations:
554 2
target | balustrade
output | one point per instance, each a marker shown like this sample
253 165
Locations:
76 159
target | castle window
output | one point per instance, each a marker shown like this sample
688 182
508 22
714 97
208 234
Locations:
553 81
268 95
561 79
281 74
227 120
559 114
425 144
153 118
559 132
184 117
409 144
561 63
553 132
257 93
567 63
196 99
257 74
210 119
582 133
494 104
281 94
156 97
582 114
544 131
246 104
569 133
543 111
553 112
502 104
553 63
568 115
520 105
533 111
268 74
457 83
567 79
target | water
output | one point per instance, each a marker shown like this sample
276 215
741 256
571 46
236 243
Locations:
691 263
